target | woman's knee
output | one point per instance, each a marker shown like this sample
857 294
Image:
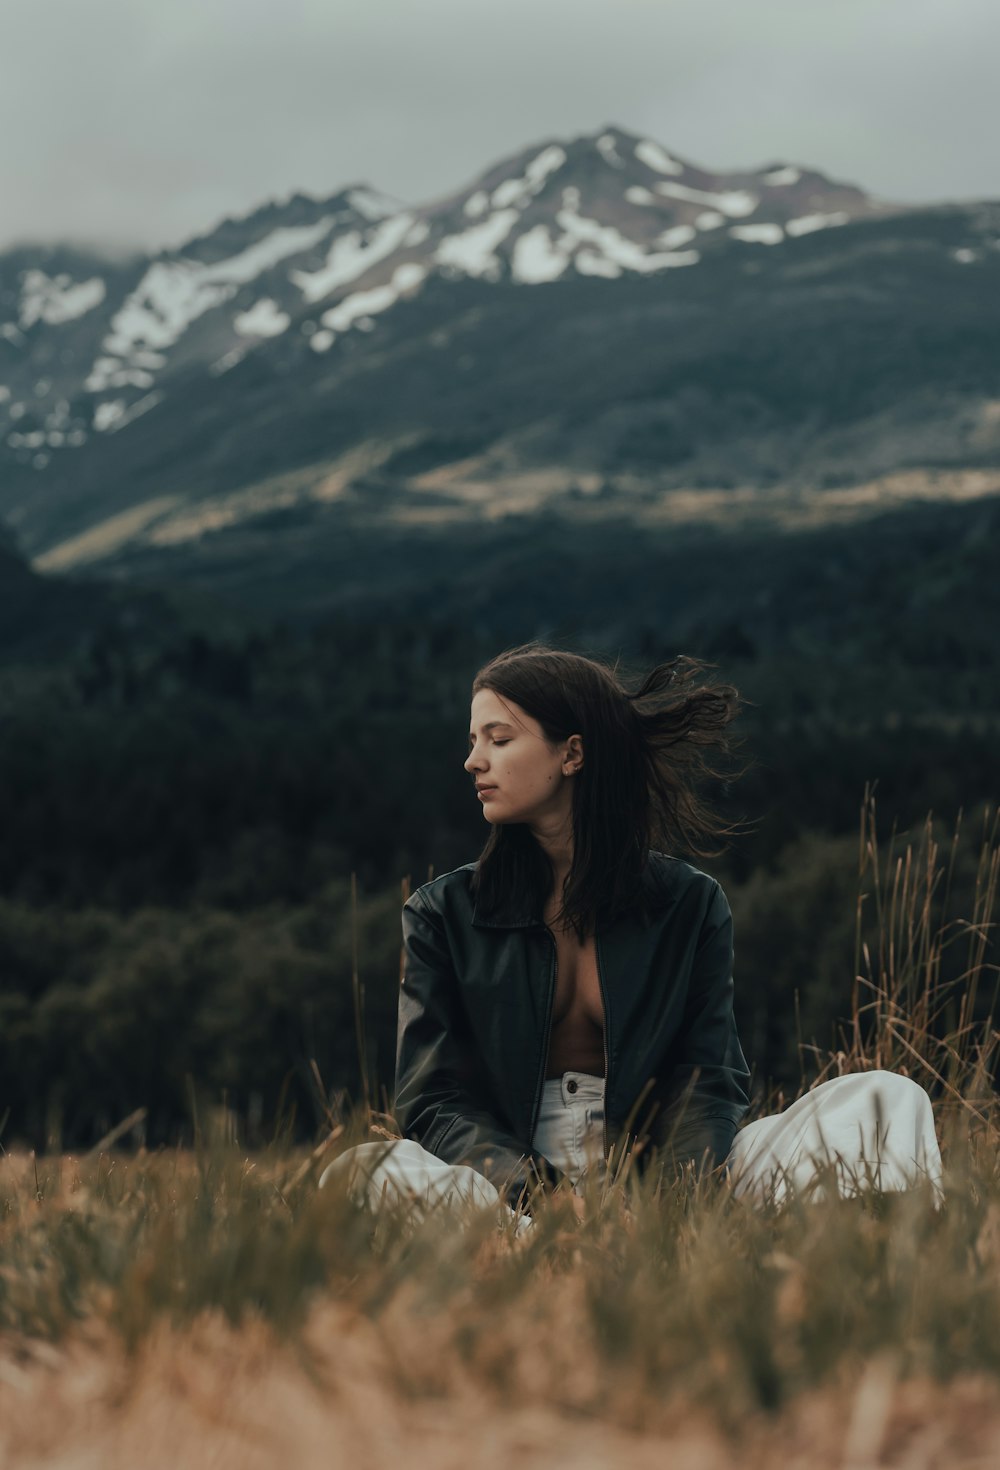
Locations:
899 1091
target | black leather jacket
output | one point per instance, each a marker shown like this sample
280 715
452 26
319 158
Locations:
474 1019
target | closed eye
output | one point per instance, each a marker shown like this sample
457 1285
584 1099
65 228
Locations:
495 742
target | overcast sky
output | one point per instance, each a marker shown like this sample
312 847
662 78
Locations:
144 122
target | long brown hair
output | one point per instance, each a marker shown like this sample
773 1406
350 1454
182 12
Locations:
643 750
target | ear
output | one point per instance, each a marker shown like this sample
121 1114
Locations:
573 759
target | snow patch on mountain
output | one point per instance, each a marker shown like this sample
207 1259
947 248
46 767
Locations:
472 250
264 254
350 256
595 249
171 295
106 414
613 246
806 223
781 176
762 234
111 372
264 319
734 202
56 299
607 146
113 415
535 258
676 235
355 309
520 192
655 157
591 263
144 357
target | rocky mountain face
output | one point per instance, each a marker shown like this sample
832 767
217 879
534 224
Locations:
594 326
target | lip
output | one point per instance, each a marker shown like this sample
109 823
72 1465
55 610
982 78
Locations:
484 790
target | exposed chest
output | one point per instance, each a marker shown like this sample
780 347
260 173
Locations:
578 987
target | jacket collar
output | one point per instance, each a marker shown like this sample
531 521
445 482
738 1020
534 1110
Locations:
505 916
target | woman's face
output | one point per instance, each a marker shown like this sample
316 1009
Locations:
522 778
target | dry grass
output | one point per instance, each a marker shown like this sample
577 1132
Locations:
209 1308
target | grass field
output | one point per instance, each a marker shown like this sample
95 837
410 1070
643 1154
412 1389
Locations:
213 1308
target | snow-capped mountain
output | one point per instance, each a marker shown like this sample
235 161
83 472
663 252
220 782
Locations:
598 206
121 406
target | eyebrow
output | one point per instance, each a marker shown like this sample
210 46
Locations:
492 725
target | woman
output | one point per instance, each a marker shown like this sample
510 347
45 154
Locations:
568 998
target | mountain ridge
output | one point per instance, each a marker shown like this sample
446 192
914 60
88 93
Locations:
289 355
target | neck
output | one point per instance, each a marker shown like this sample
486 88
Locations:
558 848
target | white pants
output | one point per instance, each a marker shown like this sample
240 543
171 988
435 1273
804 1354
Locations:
875 1128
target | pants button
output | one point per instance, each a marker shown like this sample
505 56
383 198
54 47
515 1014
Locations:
572 1085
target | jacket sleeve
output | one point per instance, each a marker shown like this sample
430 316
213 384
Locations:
707 1075
439 1093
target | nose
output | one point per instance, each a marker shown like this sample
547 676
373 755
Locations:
473 761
